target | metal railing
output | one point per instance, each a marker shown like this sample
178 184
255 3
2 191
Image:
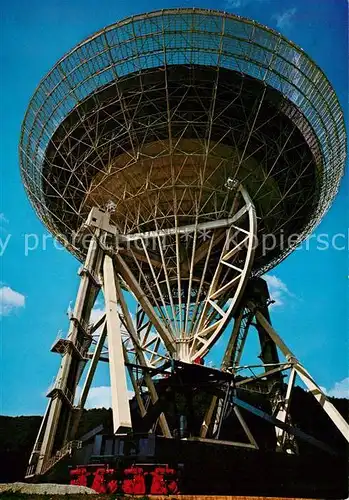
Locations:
30 471
60 454
70 344
60 387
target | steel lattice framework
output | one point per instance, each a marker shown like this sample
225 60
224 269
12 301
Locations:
178 141
212 92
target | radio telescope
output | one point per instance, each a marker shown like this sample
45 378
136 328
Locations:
164 151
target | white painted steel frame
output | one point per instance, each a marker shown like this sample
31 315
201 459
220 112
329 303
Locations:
82 309
307 379
164 328
119 394
208 332
231 363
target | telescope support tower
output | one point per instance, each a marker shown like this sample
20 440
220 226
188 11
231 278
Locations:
128 342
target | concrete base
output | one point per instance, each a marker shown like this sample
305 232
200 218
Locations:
45 489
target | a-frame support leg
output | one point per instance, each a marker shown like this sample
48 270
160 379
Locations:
119 394
231 359
315 390
270 341
53 433
283 414
88 380
141 358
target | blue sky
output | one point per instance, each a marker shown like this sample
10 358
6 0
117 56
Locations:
310 287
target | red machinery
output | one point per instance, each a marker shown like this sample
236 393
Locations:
164 481
79 476
131 481
134 482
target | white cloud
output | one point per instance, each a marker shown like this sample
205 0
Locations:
277 289
99 397
96 314
276 283
3 218
339 390
10 300
235 4
284 19
98 311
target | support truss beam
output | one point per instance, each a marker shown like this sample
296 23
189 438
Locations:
142 298
119 394
142 361
315 390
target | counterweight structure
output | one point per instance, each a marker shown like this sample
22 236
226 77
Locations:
179 155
